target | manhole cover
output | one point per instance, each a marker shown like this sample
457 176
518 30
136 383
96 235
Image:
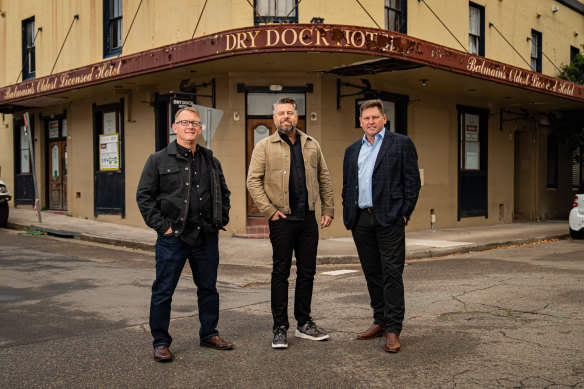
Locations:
481 319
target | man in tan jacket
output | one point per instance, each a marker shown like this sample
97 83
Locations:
287 174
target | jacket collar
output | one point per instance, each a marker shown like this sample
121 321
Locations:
275 137
172 149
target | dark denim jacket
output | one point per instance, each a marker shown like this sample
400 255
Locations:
163 195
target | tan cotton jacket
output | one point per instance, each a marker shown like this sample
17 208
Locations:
269 175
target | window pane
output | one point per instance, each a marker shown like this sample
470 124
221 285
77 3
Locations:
392 20
261 103
576 168
474 19
473 44
115 8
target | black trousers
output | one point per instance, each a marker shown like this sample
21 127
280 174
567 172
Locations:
300 237
382 254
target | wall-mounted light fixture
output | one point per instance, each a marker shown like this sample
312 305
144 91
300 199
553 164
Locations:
424 82
317 19
313 116
275 88
236 116
555 8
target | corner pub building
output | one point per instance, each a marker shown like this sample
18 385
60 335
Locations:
471 82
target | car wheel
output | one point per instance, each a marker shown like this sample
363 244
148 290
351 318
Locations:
576 234
3 213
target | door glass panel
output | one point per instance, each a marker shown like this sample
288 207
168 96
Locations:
260 133
55 159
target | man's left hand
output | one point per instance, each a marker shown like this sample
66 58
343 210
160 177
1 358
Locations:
325 221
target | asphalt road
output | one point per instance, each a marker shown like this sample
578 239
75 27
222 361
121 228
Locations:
74 314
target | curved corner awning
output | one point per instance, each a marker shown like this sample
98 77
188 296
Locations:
386 51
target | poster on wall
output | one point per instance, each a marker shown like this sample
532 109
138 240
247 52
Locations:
53 129
471 127
109 123
109 156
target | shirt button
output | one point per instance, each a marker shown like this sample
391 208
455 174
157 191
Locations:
284 171
176 232
185 201
197 186
187 168
200 198
198 228
182 218
187 184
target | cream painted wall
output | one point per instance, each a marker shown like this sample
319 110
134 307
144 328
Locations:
514 19
84 46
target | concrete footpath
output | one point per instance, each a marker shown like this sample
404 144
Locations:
257 252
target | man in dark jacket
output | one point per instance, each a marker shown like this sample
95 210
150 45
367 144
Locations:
381 183
182 195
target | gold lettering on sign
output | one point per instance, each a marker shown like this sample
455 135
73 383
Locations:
241 36
230 42
47 85
294 37
308 35
362 39
107 70
482 68
275 35
253 36
319 33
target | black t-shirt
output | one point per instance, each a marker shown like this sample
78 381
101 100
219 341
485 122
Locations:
297 181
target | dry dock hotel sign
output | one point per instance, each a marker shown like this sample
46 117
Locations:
291 38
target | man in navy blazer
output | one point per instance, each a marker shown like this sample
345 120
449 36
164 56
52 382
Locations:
381 183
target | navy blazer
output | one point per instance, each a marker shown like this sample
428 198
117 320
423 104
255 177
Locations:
396 181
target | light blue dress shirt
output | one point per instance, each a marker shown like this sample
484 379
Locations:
366 162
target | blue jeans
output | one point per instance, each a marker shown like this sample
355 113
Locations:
171 255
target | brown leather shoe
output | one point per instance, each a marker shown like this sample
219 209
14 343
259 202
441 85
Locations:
392 344
374 331
217 343
162 354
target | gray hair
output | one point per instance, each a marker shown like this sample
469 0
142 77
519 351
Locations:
284 100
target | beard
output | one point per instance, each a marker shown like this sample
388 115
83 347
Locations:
286 127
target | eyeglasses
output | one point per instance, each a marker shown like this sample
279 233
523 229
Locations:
185 123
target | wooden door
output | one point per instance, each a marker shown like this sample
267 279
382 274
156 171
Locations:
258 129
58 175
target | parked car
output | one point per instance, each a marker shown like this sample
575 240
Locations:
4 199
576 218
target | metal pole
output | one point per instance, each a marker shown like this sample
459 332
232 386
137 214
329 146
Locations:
28 136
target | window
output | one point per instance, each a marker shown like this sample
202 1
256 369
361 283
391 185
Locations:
576 168
552 162
476 29
395 15
112 27
276 11
28 49
536 51
574 51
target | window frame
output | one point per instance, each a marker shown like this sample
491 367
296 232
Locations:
108 23
401 15
538 50
28 50
480 38
273 19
